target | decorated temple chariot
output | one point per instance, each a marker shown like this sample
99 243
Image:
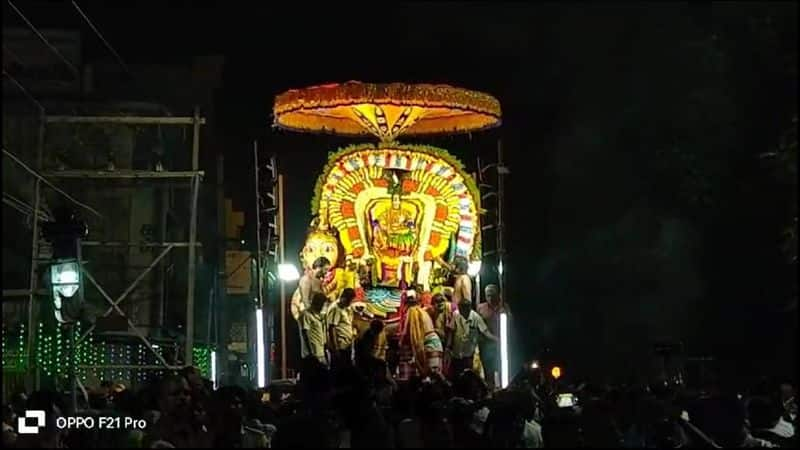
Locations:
390 216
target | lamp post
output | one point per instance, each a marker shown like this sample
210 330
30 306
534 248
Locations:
66 276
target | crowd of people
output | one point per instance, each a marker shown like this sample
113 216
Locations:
348 406
427 385
438 333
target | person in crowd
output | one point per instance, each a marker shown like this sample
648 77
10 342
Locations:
175 425
314 363
764 418
366 426
9 422
490 312
418 333
462 412
312 329
788 402
293 431
462 285
434 396
228 421
441 313
469 410
468 326
408 429
341 334
723 418
531 430
371 347
308 285
506 422
200 387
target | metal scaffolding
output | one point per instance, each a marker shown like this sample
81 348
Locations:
194 177
494 187
38 212
270 253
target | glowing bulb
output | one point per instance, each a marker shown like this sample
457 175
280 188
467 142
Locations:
288 272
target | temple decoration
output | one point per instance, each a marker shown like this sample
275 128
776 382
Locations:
320 243
390 216
386 110
398 210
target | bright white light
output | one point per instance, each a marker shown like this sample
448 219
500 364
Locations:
242 241
214 368
474 268
260 360
500 268
65 279
288 272
535 365
65 273
503 350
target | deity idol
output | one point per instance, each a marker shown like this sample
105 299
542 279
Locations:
321 243
395 230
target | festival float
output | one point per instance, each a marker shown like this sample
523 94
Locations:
390 216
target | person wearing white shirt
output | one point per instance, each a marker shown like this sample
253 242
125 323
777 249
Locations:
468 326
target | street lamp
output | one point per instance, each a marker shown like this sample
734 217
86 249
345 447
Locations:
288 272
65 234
65 281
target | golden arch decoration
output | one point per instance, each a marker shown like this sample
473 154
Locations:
437 193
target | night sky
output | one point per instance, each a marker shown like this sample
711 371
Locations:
638 206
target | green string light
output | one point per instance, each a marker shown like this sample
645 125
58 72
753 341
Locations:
51 347
14 355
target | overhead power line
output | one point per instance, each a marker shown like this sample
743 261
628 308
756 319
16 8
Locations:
41 37
24 91
105 41
54 187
